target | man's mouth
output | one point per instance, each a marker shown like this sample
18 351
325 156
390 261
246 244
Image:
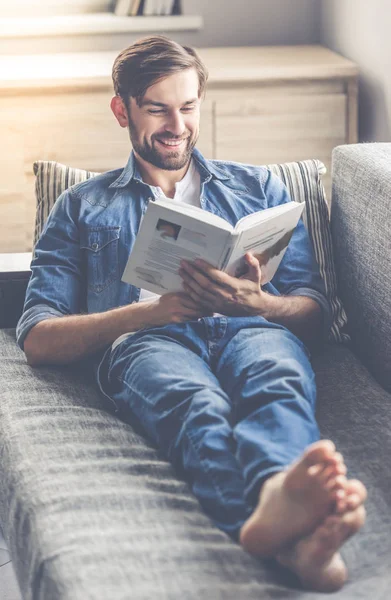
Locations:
171 143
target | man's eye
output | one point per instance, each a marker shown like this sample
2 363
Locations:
155 112
188 108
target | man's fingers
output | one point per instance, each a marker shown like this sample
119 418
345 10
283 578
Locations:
204 273
200 293
187 301
194 276
203 301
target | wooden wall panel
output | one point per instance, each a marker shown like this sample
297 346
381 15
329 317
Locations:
77 129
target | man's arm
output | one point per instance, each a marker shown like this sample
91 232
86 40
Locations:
51 328
300 314
67 339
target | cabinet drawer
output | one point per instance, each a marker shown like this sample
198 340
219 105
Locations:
284 119
277 129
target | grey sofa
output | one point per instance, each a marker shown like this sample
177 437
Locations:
91 511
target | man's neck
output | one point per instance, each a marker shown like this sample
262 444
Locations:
155 176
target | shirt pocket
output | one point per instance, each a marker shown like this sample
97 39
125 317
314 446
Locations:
100 245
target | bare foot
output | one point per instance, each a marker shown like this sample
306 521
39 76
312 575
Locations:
294 502
315 559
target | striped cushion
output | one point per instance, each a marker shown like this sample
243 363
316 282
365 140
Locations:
52 178
303 180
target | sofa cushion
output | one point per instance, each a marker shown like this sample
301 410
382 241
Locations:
51 179
361 225
91 510
303 180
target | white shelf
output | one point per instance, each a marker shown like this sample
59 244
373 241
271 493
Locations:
93 24
80 70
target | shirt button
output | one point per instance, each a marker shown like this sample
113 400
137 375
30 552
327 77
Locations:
95 246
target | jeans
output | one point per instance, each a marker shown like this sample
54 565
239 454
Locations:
228 400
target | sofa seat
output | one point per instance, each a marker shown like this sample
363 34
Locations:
91 511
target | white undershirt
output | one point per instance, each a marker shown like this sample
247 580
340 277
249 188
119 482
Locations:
188 190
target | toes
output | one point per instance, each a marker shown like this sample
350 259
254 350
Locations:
354 520
315 470
340 464
353 501
355 487
336 483
345 525
337 489
318 452
341 505
353 496
332 471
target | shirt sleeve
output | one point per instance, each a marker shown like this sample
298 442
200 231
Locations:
55 286
298 273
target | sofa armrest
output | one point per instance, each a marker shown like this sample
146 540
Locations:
14 277
361 226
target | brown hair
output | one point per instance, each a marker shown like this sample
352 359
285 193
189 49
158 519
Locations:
149 60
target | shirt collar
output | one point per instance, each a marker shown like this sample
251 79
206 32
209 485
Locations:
206 167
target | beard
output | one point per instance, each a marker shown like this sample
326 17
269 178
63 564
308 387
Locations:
169 161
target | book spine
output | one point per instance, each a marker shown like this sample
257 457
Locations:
121 8
135 7
140 11
169 4
177 8
149 8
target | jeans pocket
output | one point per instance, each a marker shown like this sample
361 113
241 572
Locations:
100 245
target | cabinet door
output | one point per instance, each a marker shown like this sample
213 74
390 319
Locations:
281 124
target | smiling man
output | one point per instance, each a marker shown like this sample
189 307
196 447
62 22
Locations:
217 375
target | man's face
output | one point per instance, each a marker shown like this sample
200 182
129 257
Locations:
165 128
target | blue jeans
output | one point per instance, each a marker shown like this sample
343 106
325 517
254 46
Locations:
228 400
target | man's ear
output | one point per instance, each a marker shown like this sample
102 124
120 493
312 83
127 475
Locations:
119 109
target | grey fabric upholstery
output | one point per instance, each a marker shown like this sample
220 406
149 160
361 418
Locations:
361 232
91 511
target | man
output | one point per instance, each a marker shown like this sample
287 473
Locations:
229 398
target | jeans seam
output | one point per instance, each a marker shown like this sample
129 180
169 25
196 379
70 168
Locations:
127 385
206 468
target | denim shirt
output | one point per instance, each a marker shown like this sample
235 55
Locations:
81 254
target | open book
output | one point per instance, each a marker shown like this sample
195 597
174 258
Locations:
171 231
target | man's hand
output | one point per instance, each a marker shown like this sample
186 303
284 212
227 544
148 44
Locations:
175 308
219 292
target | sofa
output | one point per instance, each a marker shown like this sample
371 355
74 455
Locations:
90 510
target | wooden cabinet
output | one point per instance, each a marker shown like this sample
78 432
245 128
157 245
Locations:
263 105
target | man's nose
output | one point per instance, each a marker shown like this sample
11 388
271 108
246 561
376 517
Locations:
175 124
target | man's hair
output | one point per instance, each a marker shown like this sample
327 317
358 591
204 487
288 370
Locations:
149 60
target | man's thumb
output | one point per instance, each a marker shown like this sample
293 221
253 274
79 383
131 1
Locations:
254 270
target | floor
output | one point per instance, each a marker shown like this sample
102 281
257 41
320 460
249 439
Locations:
9 589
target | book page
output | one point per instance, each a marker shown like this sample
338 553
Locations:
167 236
267 241
193 211
264 215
